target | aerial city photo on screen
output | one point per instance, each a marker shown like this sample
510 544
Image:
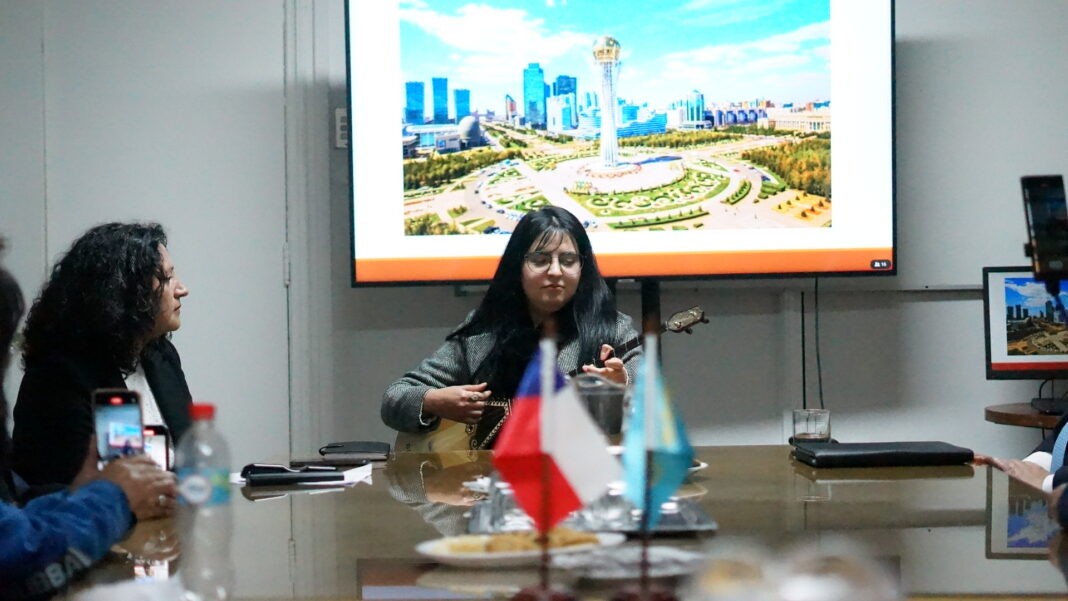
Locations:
1032 326
718 117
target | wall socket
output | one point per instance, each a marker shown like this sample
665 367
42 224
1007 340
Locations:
341 128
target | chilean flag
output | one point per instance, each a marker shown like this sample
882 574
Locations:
549 449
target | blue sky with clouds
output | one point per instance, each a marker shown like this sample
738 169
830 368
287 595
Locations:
1026 292
730 50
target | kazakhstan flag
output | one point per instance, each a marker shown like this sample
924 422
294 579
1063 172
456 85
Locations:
655 434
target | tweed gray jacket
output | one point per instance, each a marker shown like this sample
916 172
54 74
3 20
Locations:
450 365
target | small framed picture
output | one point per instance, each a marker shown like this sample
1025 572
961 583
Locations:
1017 523
1026 335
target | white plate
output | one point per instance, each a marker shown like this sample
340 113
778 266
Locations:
698 467
438 550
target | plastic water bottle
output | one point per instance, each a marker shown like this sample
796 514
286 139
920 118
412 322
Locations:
205 525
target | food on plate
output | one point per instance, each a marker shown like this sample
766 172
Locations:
507 542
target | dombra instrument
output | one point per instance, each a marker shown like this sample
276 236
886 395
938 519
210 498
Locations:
457 436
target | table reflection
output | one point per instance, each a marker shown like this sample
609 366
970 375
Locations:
931 528
434 486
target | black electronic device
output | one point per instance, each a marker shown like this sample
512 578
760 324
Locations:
1050 405
157 445
665 208
881 454
1047 226
285 478
269 474
274 468
356 450
117 421
1025 334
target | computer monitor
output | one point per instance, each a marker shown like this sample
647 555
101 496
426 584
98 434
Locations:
1026 337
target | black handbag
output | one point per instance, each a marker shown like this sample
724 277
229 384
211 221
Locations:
494 413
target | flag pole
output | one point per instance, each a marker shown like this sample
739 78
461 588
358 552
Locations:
547 345
648 428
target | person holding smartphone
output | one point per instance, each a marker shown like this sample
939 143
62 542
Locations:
101 321
58 535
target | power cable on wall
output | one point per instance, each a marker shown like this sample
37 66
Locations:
819 361
804 359
804 347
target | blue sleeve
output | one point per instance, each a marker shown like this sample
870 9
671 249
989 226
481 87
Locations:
58 535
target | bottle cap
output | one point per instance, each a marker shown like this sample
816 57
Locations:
199 411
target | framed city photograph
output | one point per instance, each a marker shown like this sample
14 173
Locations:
1017 523
1026 337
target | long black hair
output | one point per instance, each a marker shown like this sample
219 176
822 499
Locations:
102 298
590 315
11 309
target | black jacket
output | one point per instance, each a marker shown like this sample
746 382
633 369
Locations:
54 413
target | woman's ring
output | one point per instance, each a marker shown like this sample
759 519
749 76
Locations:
161 500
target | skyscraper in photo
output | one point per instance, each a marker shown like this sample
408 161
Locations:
440 87
561 112
565 84
695 106
534 96
509 107
414 102
462 102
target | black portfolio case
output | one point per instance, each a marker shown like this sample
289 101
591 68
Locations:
880 454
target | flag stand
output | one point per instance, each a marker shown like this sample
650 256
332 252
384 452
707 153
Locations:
543 591
645 590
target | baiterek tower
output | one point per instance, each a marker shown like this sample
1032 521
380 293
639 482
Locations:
606 54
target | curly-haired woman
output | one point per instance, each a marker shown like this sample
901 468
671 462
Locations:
53 538
101 321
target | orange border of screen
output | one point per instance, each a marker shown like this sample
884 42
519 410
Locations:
458 269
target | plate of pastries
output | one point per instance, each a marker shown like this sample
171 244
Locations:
507 549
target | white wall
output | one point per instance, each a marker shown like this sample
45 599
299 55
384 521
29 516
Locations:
896 364
172 112
224 135
215 119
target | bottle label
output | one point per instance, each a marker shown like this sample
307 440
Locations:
203 486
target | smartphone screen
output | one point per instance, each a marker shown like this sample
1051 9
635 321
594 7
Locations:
117 413
156 445
1047 225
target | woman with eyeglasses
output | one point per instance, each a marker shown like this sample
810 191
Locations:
547 270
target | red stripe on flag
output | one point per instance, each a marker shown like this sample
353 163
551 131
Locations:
519 458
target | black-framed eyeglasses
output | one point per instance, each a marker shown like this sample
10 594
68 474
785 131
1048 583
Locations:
539 262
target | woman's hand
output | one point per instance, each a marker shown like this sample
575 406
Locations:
613 366
151 492
462 403
1029 473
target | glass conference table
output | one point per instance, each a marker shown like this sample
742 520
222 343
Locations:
942 532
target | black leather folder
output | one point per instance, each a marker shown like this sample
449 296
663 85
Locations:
881 454
356 450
